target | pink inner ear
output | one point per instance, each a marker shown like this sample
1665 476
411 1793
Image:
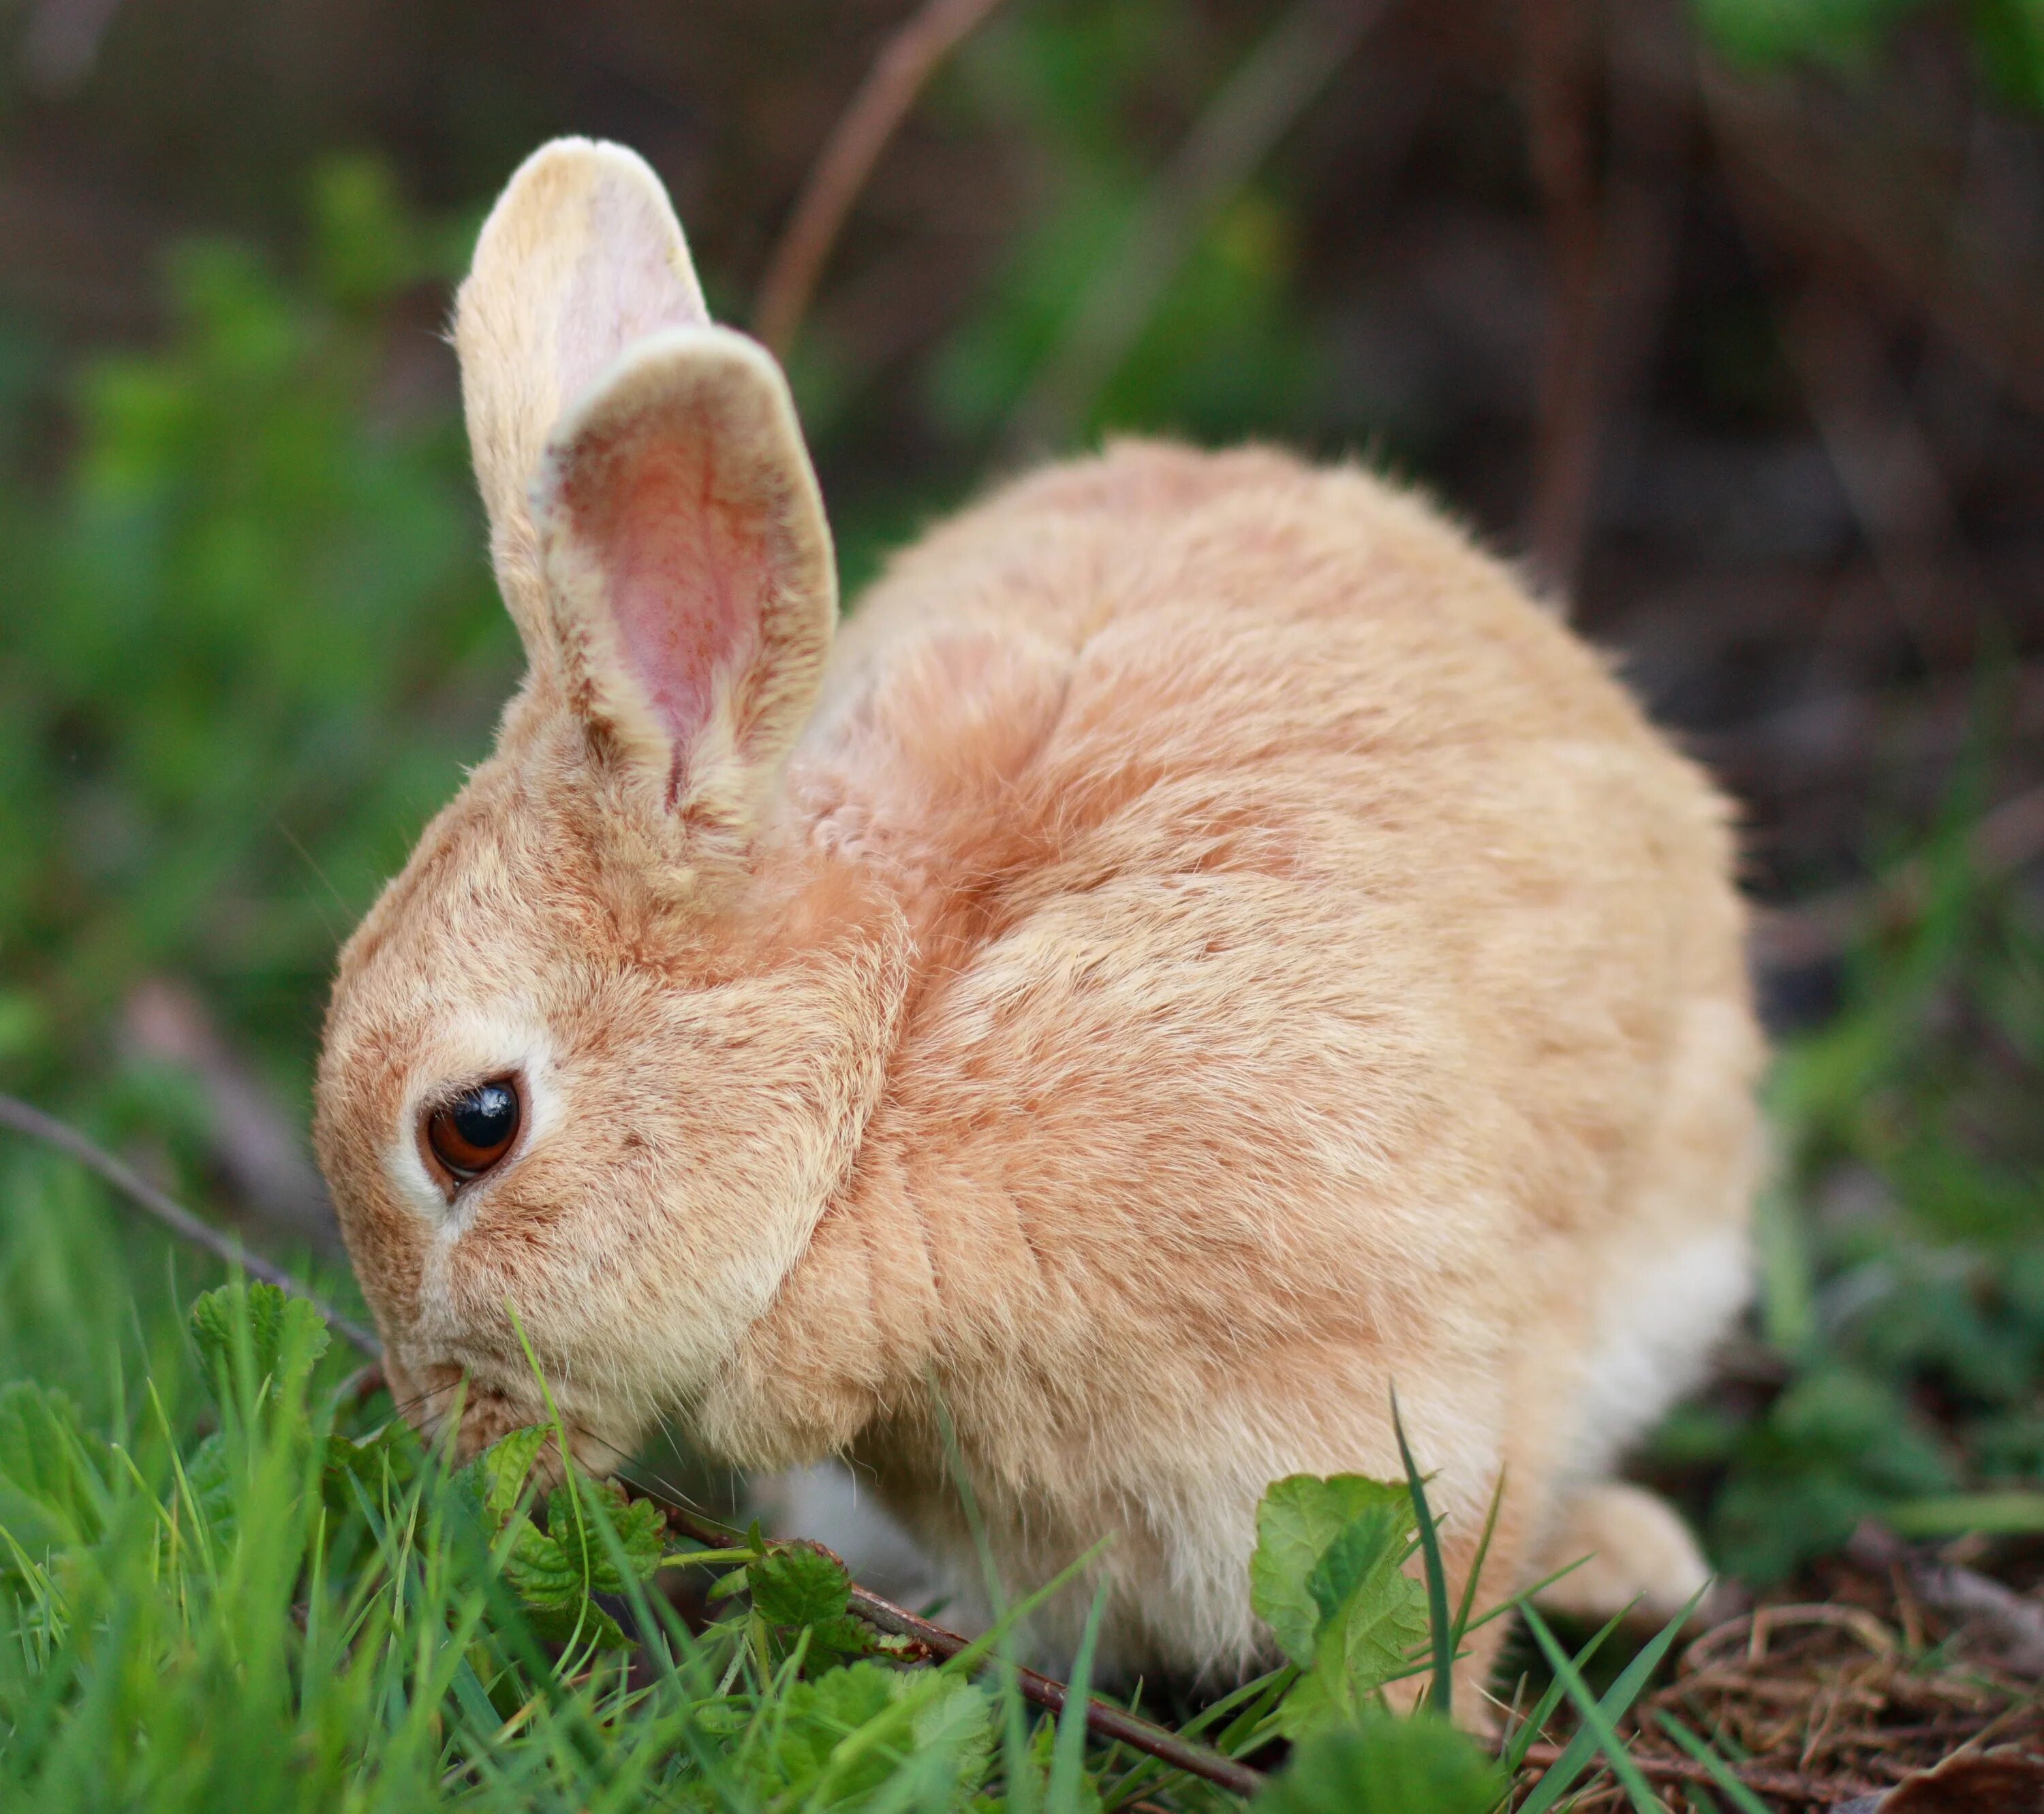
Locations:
684 565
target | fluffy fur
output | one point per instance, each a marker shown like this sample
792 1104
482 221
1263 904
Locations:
1207 949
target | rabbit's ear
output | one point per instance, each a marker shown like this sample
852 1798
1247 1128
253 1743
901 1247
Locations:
581 257
689 568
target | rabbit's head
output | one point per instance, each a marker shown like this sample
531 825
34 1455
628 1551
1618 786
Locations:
597 1056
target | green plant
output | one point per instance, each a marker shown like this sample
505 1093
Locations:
2007 35
300 1606
249 644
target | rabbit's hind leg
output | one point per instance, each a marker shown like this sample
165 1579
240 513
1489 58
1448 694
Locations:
1624 1548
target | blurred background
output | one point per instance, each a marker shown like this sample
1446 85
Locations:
1725 317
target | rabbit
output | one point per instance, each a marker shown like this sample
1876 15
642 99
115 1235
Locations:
1201 948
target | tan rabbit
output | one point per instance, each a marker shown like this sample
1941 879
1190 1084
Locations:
1203 949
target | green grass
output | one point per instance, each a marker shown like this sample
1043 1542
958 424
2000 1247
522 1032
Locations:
247 1585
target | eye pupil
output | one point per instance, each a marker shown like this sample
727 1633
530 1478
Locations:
476 1129
485 1116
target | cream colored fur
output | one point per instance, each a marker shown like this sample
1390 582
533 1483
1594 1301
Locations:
1207 949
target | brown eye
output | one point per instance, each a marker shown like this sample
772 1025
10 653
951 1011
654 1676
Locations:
476 1129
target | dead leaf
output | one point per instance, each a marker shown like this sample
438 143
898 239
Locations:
2004 1781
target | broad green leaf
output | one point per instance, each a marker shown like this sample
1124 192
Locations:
1328 1577
209 1474
824 1738
393 1451
839 1640
578 1622
1386 1766
1299 1521
1357 1652
553 1585
501 1470
638 1526
542 1573
799 1586
1364 1546
1377 1629
286 1335
554 1571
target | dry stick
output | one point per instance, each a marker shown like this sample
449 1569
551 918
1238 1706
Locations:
907 61
1254 108
1790 1785
23 1119
1558 79
255 1142
1884 463
1960 1592
1103 1719
1613 254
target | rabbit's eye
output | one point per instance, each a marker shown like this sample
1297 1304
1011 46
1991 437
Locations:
476 1129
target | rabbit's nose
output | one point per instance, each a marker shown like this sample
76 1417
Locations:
488 1415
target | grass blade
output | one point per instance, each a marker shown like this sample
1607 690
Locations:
1631 1682
1742 1797
1600 1723
2010 1514
1443 1627
1068 1754
1543 1709
1468 1604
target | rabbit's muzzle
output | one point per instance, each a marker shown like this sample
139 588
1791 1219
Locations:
443 1400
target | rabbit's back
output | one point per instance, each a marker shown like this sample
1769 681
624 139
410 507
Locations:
1323 961
1263 772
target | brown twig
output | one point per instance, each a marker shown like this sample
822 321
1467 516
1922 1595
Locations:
936 1643
2017 1623
255 1142
905 64
1558 72
23 1119
1790 1785
1885 464
62 43
1863 202
1611 244
1254 110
